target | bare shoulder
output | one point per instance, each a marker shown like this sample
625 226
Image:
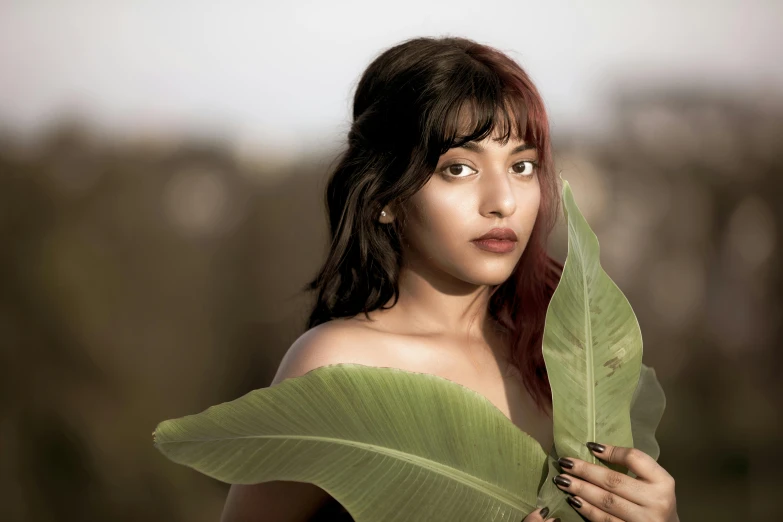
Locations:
334 342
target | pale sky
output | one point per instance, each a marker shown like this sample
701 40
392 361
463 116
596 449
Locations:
277 72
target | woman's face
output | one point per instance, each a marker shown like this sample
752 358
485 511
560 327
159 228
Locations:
475 188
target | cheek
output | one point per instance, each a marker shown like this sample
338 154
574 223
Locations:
437 220
532 206
528 204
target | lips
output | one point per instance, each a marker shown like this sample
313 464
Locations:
499 233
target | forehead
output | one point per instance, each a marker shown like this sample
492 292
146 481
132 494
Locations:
508 121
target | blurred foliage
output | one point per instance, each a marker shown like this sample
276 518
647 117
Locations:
148 278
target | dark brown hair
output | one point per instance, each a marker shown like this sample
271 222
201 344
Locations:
409 108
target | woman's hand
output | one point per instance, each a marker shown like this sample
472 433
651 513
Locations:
603 495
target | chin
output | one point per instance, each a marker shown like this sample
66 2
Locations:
488 277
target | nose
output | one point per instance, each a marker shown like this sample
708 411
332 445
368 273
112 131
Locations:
497 195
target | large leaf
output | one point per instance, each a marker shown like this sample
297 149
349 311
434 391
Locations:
388 444
592 348
392 445
593 354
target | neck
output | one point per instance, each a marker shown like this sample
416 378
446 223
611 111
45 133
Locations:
435 305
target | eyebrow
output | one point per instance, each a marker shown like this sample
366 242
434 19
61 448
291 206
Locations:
475 147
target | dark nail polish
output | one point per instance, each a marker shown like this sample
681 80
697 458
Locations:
560 480
566 463
544 512
598 448
574 502
556 520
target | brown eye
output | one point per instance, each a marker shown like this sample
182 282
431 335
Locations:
525 168
457 170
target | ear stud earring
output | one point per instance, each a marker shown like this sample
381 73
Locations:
383 213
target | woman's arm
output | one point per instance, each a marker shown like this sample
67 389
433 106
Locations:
275 501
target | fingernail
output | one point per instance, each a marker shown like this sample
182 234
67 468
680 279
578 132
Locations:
556 520
560 480
598 448
544 512
574 502
566 463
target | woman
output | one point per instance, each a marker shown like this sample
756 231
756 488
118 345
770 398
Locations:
439 211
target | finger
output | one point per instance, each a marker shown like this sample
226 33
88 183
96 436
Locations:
538 515
644 466
607 479
606 501
589 511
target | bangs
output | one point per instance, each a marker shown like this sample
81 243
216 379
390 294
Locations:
479 106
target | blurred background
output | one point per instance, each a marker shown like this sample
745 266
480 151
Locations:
162 168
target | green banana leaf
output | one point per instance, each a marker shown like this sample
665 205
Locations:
393 445
593 350
593 354
387 443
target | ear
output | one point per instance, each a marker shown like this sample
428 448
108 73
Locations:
389 217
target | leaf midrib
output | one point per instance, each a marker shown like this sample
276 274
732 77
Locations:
589 356
589 369
589 385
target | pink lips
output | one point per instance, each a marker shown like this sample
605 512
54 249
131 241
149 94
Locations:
498 240
499 233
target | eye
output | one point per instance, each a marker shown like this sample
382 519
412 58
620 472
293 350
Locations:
455 169
525 168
